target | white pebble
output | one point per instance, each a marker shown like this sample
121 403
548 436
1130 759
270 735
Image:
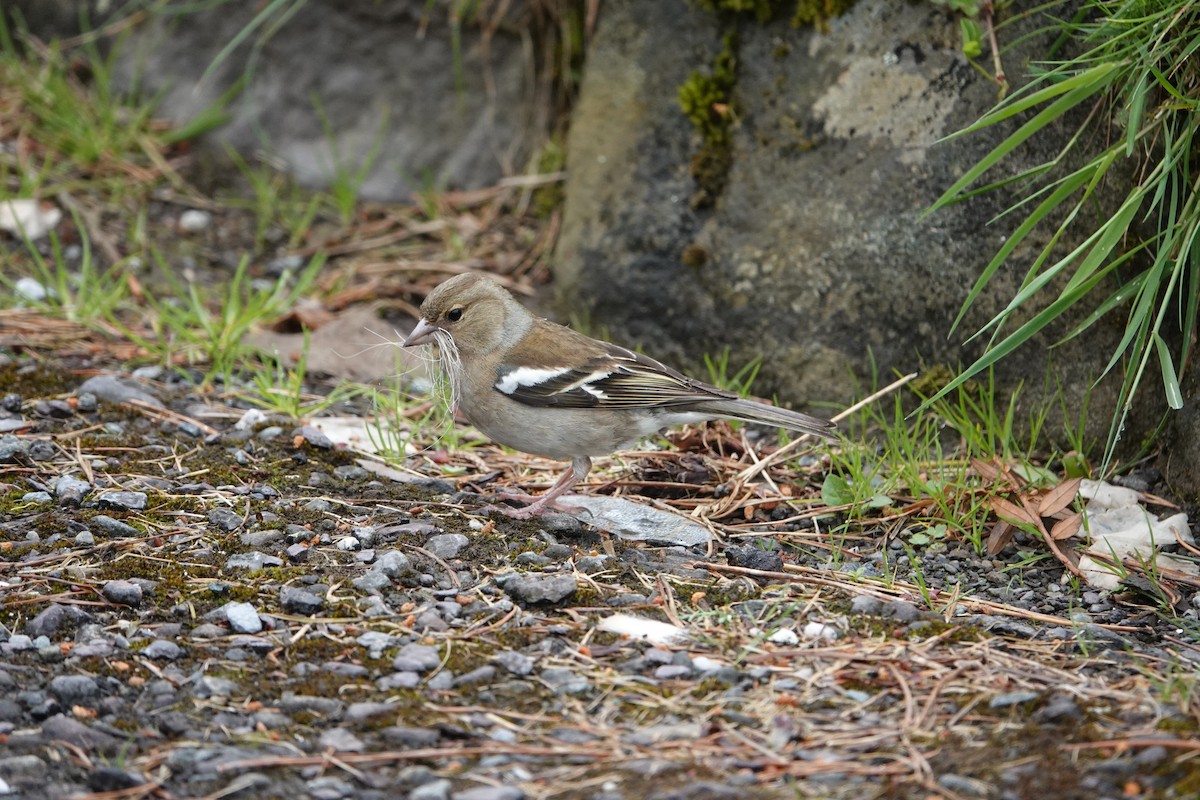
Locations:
29 289
194 220
706 664
819 630
784 636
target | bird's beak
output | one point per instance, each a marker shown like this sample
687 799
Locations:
422 334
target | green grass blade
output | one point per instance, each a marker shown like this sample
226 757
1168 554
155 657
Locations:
1082 86
1064 190
1170 379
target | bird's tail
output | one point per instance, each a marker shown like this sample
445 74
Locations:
763 414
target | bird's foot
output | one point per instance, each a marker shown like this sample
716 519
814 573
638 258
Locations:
509 493
537 508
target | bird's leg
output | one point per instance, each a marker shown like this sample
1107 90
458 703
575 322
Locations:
575 473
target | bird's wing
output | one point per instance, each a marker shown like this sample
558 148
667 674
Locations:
612 377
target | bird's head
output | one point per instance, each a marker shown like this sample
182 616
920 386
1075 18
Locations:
474 311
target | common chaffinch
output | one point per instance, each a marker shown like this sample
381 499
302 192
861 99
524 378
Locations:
539 387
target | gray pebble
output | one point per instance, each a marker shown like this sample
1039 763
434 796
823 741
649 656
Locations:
162 650
438 789
558 552
431 485
71 491
342 740
37 497
298 601
752 557
672 671
122 501
431 620
19 642
361 712
417 658
373 580
126 593
350 472
901 611
417 528
565 681
257 539
114 390
207 630
23 768
225 519
329 787
410 737
297 553
490 793
590 565
71 730
206 686
243 618
532 559
862 604
47 622
447 545
484 674
398 680
58 409
85 539
538 588
314 437
114 527
41 450
514 662
1061 707
252 561
12 448
74 689
393 563
375 642
442 681
291 702
563 525
112 779
657 655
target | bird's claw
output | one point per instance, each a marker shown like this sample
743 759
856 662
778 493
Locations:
535 509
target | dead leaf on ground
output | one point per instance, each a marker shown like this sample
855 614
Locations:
1066 528
1059 497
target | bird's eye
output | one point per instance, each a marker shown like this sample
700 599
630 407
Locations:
454 314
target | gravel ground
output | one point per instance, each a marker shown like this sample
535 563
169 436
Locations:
189 609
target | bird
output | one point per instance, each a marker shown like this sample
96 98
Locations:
545 389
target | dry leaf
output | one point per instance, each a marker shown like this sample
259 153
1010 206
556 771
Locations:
1059 497
1002 533
1011 513
985 469
1066 528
